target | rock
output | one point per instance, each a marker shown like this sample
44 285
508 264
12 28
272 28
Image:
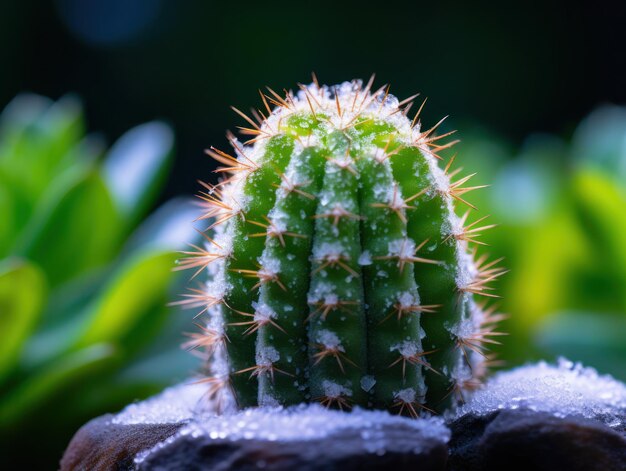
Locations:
527 439
345 451
538 417
542 417
565 389
103 445
304 438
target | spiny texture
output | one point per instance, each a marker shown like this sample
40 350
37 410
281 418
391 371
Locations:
339 271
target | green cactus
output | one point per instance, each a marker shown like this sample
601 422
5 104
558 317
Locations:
339 271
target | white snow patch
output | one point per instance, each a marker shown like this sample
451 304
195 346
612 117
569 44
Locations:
267 400
310 422
365 258
217 286
329 251
563 390
461 373
269 265
408 395
406 348
278 220
466 269
263 312
408 299
324 292
463 329
329 339
333 390
176 404
404 249
266 355
367 383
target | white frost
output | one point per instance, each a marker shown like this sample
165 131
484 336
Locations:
262 312
367 383
266 355
324 292
365 258
269 265
407 395
329 251
329 339
311 422
334 390
407 348
404 249
176 404
563 390
407 299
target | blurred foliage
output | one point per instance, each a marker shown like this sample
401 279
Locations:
83 285
561 206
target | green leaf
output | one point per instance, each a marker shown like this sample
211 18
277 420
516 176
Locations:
22 294
600 142
590 337
170 227
129 307
602 209
136 165
7 210
79 231
62 375
36 136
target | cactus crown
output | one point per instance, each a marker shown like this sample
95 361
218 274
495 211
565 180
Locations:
339 271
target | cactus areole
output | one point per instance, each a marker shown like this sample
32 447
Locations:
338 269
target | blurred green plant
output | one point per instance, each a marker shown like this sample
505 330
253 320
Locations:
562 209
83 285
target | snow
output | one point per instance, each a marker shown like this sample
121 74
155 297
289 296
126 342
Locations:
367 383
263 313
465 328
266 355
467 272
406 299
406 348
324 292
564 389
329 339
187 403
404 249
278 222
335 390
270 266
365 258
176 404
407 395
311 422
329 251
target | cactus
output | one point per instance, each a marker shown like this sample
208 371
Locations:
339 271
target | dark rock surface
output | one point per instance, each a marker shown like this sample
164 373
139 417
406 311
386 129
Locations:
100 445
525 439
345 452
507 439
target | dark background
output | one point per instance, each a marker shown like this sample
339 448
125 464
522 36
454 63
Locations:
514 67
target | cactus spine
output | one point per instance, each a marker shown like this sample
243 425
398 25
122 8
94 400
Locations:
339 271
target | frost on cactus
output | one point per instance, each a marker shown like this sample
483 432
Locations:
338 270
